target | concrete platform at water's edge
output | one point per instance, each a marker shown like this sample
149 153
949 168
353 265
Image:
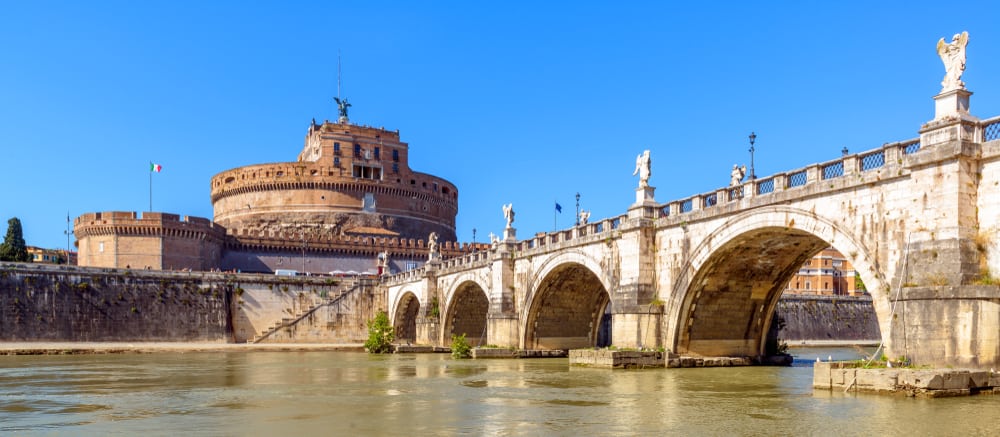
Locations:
79 348
480 353
933 383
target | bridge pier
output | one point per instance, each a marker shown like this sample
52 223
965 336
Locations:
428 330
953 326
639 328
503 330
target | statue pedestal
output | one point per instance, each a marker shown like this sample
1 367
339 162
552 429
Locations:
952 120
953 104
644 196
510 235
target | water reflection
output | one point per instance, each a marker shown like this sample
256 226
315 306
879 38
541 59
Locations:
352 393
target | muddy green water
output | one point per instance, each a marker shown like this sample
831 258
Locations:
334 393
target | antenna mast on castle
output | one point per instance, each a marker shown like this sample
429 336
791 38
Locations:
342 105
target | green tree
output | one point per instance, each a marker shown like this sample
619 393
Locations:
380 335
13 247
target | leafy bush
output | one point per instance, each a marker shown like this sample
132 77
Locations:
460 347
380 334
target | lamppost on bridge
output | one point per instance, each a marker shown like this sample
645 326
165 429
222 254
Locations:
844 151
578 209
753 137
473 239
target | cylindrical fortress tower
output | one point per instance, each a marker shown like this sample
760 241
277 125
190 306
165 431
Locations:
349 180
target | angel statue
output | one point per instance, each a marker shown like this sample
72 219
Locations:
642 164
584 217
953 56
508 213
736 176
342 106
432 246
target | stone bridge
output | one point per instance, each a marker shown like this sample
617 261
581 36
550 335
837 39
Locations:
701 276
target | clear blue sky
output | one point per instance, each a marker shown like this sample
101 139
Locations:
526 103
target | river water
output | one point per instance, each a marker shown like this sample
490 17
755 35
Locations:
342 393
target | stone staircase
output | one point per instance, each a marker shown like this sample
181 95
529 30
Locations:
298 316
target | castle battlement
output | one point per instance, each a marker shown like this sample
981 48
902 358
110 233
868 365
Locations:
146 223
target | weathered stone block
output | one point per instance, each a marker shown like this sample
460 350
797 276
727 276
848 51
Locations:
878 380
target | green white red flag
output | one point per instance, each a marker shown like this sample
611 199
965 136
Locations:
155 168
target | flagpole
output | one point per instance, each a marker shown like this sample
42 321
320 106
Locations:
554 211
150 186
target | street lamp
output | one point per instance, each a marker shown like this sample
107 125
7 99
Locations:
578 209
753 137
473 239
69 233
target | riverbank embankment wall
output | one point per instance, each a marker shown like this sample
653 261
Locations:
79 304
66 303
824 318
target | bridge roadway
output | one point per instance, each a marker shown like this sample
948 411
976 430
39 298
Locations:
701 276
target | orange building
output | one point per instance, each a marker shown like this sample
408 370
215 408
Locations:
828 273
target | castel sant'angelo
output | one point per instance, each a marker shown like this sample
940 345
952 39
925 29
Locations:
349 200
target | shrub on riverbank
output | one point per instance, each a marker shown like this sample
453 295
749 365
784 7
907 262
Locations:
460 347
380 334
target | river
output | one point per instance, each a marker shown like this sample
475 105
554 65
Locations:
343 393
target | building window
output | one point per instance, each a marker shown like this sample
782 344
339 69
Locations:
100 247
378 154
369 202
357 150
336 161
336 148
366 172
395 155
435 187
395 168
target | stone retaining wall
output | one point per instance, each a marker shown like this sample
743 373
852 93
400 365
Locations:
79 304
827 318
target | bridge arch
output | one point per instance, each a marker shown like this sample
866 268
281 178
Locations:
404 317
467 305
723 300
567 300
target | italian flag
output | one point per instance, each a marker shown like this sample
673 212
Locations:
155 168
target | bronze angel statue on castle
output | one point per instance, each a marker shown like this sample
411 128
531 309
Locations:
342 106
